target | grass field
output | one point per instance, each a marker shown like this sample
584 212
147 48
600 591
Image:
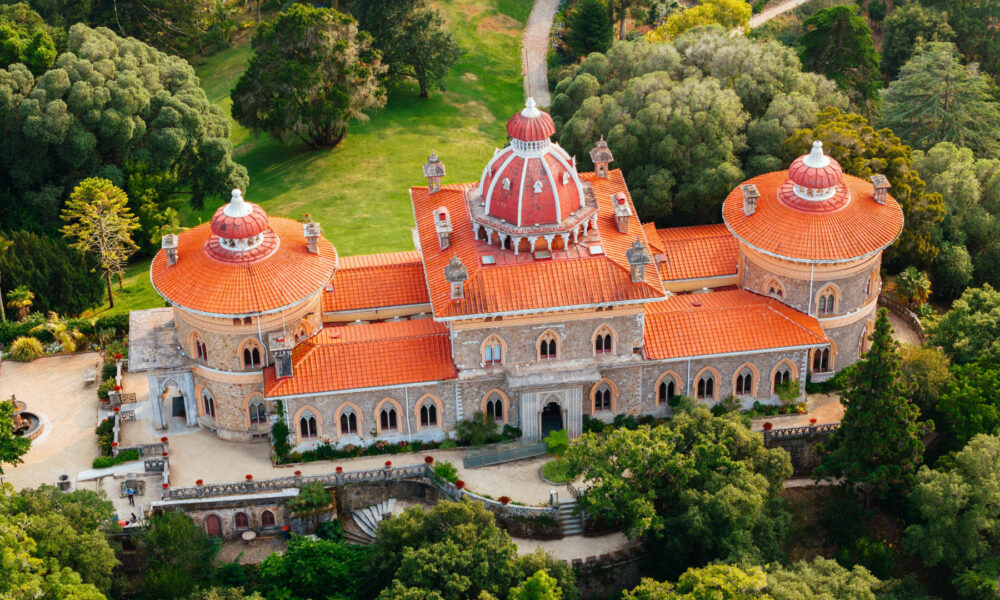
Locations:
359 191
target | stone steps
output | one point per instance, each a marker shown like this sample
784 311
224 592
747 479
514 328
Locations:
569 523
368 519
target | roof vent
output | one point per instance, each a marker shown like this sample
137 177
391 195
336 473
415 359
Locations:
433 171
600 155
456 274
880 185
637 258
169 244
442 225
750 195
622 211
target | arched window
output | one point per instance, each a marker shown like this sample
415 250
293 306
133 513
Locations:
602 398
772 287
826 304
782 377
307 426
706 386
666 391
207 403
863 343
492 352
251 356
387 419
200 349
548 346
348 421
267 519
428 415
258 411
821 360
494 407
241 521
603 341
744 383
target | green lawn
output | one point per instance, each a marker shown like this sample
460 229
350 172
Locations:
359 191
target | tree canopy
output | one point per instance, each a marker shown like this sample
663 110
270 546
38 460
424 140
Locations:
907 27
106 105
180 556
590 28
838 43
974 24
688 120
60 277
25 39
730 14
970 330
311 568
312 71
12 447
937 99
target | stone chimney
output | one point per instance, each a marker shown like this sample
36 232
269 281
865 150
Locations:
750 195
280 346
442 224
312 231
169 244
637 260
880 185
433 171
622 211
456 274
600 155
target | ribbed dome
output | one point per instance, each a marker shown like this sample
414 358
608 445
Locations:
531 124
239 219
815 170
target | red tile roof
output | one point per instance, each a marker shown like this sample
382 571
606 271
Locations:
569 279
377 281
350 357
689 325
287 276
697 252
859 228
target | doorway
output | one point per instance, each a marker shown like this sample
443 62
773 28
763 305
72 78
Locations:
213 525
177 407
552 418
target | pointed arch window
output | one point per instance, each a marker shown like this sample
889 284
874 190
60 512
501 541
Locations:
548 346
428 415
388 420
826 304
602 398
821 360
348 422
200 349
492 352
781 377
267 519
207 403
706 387
308 426
603 341
258 411
744 383
494 407
666 391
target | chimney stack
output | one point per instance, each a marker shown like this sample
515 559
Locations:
442 224
433 171
169 244
637 260
880 185
281 351
600 155
622 211
312 231
750 195
456 274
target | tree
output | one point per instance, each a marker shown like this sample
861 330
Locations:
99 221
12 447
838 43
688 120
312 503
58 275
924 374
908 27
715 582
913 288
862 151
958 505
539 586
821 579
557 442
180 556
973 22
75 121
730 14
412 39
968 404
5 245
701 489
20 299
952 270
590 28
879 443
970 331
561 571
937 99
25 39
312 72
311 568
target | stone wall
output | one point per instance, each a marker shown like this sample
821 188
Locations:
800 443
232 419
358 496
227 514
606 575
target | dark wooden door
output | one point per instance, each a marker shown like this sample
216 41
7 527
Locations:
213 525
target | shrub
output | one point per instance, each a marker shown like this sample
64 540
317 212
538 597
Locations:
279 435
330 530
477 430
108 371
26 349
106 386
510 433
103 462
105 435
725 406
557 471
626 421
591 425
448 445
447 471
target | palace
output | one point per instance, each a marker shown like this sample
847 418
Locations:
534 296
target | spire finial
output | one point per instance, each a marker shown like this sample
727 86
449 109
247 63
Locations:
816 158
237 207
530 108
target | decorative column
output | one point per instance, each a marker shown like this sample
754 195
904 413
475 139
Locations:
548 242
530 417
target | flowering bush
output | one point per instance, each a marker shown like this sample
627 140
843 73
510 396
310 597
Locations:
768 426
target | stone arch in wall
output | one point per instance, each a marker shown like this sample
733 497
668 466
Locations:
421 416
494 395
831 354
307 411
250 354
488 351
347 408
213 525
773 287
602 386
301 331
755 375
827 300
604 342
267 519
389 405
255 409
785 363
205 401
165 387
666 378
711 392
546 342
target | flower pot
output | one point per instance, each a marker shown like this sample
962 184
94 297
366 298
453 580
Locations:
298 473
460 484
117 409
163 440
768 426
166 485
199 482
504 500
388 463
429 460
249 477
163 454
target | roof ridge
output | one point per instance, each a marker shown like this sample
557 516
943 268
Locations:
772 306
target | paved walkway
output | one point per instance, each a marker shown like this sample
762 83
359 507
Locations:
575 546
766 15
902 331
534 47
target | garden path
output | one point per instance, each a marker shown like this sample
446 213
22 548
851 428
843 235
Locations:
766 15
903 331
575 546
534 48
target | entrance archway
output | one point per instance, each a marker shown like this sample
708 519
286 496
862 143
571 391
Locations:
213 525
552 418
173 400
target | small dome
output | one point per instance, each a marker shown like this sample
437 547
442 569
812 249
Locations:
531 124
239 219
815 170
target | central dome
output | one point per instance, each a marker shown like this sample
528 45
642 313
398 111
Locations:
533 181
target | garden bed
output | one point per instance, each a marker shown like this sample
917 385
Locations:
556 473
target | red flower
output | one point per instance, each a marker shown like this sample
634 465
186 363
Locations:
118 355
249 477
117 409
429 460
340 469
812 421
164 454
768 426
460 484
402 444
114 444
163 439
118 388
504 500
298 473
166 485
198 482
388 463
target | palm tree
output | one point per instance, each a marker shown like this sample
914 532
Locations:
21 298
67 338
913 288
5 245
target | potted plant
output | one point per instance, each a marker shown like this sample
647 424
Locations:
505 500
429 460
198 482
114 444
340 469
298 473
812 421
163 439
768 426
118 355
388 463
459 484
163 454
249 477
117 409
166 485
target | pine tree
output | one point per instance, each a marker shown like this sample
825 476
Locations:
590 28
879 443
838 43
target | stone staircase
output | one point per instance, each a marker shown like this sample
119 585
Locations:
569 523
368 519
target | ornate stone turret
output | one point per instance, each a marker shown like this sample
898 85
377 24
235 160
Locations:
622 211
750 195
433 171
456 274
281 346
312 232
442 224
600 155
638 258
881 186
169 244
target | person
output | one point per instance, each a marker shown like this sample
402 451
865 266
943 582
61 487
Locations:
134 519
131 496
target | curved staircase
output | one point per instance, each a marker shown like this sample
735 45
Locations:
368 520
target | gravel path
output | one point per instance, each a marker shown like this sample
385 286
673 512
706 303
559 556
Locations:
534 45
766 15
902 331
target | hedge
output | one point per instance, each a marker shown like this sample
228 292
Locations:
103 462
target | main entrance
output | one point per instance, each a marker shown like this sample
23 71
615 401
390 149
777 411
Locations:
552 418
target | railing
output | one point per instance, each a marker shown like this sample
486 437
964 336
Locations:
499 453
904 313
801 431
505 510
